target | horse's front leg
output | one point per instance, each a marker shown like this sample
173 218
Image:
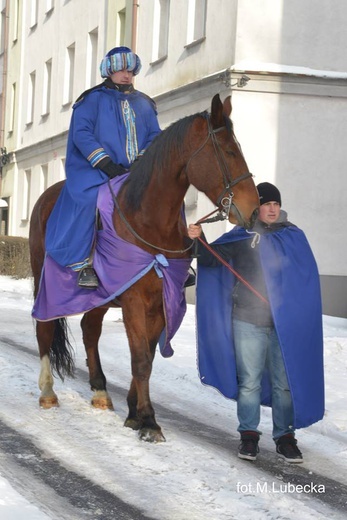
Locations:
91 325
144 323
44 334
141 414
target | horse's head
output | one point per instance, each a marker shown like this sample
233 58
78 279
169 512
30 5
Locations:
218 168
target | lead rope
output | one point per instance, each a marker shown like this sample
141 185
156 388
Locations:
231 269
255 241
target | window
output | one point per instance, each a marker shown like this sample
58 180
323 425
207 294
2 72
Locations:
15 15
49 6
160 29
92 53
26 195
121 24
196 21
12 108
33 13
3 31
69 74
62 175
4 206
47 86
31 98
44 178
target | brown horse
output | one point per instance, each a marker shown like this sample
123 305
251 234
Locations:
200 150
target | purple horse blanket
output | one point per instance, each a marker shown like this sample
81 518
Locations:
119 265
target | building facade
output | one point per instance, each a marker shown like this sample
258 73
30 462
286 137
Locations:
283 63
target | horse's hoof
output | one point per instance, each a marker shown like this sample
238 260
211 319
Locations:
102 402
47 402
132 423
145 434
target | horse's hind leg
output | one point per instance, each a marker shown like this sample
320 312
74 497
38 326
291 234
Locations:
45 333
91 325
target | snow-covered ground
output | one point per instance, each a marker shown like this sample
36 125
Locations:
178 479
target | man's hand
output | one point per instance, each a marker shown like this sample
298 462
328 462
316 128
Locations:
194 231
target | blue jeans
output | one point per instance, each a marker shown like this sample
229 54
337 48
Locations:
257 348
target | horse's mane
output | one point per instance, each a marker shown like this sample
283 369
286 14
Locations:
156 157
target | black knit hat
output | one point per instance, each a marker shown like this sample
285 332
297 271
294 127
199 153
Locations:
268 193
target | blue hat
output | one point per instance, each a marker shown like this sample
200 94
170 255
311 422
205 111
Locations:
120 58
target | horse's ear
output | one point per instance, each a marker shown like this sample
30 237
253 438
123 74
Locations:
219 111
216 117
227 106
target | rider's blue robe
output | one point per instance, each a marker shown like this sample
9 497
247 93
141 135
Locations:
98 127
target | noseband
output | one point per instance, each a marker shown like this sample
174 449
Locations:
225 199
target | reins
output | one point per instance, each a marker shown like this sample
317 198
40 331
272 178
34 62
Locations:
194 243
225 202
136 235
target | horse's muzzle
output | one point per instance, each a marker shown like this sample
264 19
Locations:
252 219
241 220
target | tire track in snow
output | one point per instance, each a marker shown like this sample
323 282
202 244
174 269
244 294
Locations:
335 495
74 496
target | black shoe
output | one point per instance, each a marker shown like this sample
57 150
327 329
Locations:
286 447
249 448
87 278
190 281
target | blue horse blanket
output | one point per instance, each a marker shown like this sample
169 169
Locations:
119 264
293 287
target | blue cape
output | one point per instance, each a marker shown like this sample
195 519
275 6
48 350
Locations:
292 282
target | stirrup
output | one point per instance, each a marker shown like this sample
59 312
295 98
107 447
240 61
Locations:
191 278
87 278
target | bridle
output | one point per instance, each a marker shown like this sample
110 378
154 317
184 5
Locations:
224 201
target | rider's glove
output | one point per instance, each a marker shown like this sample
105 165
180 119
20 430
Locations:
110 168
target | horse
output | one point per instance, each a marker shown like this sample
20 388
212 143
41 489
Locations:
199 150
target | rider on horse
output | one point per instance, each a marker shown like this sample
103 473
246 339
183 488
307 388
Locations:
111 126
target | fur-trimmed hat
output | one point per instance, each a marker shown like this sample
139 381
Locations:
120 58
268 193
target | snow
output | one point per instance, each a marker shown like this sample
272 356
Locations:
180 478
250 66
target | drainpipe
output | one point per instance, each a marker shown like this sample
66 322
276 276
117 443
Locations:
136 5
3 103
4 77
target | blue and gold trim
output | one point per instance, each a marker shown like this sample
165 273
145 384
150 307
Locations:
95 157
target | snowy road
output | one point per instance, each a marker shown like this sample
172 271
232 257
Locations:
63 493
77 462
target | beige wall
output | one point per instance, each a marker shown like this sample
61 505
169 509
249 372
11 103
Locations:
289 118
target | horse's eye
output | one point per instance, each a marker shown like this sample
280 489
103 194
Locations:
230 152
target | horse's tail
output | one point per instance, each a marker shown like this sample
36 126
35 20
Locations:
61 353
